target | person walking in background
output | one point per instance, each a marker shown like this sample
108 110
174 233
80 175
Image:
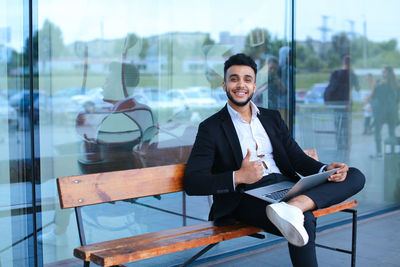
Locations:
368 124
287 70
275 89
340 84
384 101
338 95
367 118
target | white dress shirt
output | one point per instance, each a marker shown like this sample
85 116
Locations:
254 137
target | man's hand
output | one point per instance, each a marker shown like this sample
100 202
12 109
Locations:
341 174
250 171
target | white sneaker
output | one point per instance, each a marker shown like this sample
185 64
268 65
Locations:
290 222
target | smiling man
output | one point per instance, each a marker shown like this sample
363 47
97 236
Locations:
240 94
243 147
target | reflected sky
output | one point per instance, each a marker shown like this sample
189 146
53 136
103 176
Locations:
91 19
113 19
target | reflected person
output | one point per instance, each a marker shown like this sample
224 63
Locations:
244 146
337 94
274 87
384 101
368 123
286 70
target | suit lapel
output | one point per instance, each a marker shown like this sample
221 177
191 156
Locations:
231 135
270 129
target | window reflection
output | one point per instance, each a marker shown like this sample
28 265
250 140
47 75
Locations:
341 67
129 90
125 86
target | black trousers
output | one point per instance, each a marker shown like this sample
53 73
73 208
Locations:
252 211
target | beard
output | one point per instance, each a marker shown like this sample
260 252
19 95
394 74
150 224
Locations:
240 104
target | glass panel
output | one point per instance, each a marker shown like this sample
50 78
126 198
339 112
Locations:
16 220
347 89
125 84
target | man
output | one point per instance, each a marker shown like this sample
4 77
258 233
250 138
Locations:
337 95
242 147
340 83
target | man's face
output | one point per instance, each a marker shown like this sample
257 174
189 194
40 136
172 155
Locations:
240 84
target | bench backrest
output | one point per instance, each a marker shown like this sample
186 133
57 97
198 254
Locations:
89 189
83 190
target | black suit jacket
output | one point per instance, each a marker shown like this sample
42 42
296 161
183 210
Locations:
216 153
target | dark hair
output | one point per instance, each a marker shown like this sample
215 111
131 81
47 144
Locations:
346 60
390 76
273 59
240 59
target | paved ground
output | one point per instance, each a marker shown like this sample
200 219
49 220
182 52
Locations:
378 244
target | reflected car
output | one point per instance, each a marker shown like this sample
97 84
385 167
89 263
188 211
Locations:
41 105
153 98
91 101
63 104
8 114
94 95
301 95
193 97
316 94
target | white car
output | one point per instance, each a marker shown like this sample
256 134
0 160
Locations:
193 97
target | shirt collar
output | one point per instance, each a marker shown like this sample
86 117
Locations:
235 115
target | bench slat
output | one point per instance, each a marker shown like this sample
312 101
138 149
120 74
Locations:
85 251
130 250
338 207
82 190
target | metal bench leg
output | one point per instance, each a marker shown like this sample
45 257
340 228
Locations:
354 238
201 252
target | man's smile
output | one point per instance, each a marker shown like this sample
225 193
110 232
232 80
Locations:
240 92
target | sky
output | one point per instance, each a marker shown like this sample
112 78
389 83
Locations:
90 19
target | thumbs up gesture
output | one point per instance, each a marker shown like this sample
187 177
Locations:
250 171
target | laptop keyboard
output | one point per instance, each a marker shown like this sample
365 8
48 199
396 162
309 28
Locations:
277 195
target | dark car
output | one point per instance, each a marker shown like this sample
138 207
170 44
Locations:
21 102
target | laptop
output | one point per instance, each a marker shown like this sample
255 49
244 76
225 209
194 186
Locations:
286 190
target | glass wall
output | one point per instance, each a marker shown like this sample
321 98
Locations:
125 84
347 90
17 174
93 86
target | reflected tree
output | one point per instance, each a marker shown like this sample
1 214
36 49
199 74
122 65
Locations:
49 43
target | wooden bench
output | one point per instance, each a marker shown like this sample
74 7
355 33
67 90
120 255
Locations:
83 190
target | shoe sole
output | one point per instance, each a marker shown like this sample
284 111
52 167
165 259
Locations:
288 230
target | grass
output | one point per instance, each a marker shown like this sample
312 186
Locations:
307 80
